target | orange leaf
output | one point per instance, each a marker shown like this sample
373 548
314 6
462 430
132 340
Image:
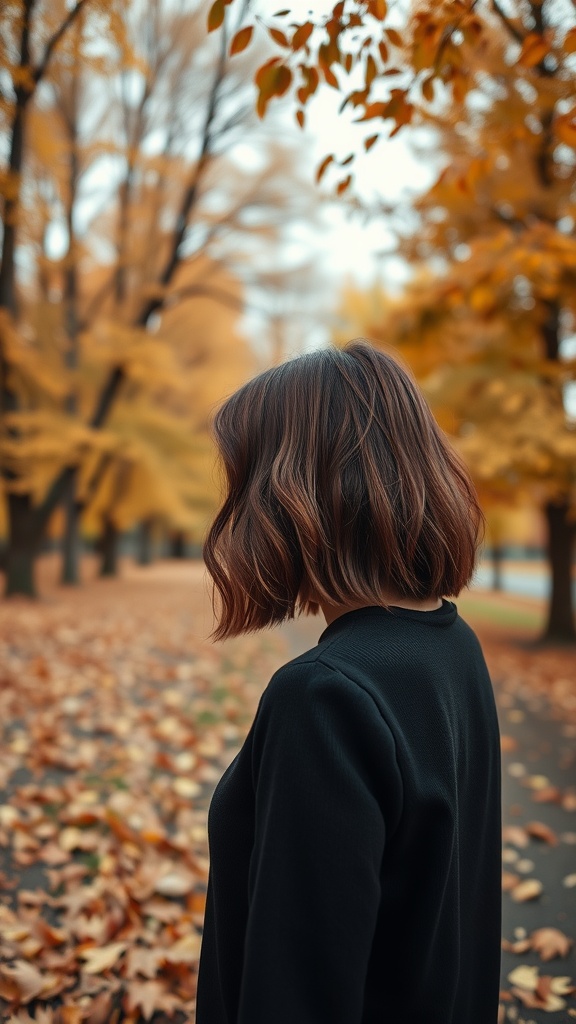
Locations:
283 80
216 15
509 880
264 70
302 35
241 40
374 110
428 88
265 79
300 117
311 80
547 795
370 70
565 128
569 45
70 1014
278 36
394 36
323 166
369 142
534 48
508 743
539 830
343 185
378 9
330 77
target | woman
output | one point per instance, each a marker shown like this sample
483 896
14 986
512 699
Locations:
355 840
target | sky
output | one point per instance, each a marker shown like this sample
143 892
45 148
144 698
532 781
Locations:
389 172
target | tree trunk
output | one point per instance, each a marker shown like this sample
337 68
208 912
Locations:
22 547
145 543
71 543
109 549
72 511
178 545
561 533
497 558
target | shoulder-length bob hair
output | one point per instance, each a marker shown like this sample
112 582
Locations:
341 488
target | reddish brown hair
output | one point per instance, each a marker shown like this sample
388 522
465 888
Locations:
340 486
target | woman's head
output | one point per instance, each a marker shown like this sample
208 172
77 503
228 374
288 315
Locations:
341 488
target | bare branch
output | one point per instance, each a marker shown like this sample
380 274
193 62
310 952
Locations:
40 71
191 192
517 35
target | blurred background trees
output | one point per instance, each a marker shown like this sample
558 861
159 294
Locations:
132 234
150 214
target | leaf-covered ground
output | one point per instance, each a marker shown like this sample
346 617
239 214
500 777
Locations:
117 719
118 716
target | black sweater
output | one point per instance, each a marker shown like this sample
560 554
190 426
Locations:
355 840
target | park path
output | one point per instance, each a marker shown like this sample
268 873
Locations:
539 809
118 716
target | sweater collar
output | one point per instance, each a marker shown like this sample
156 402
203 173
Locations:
443 616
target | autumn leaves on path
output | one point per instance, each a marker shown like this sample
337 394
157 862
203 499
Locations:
117 720
536 695
118 717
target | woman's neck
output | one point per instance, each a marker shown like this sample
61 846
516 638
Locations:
334 611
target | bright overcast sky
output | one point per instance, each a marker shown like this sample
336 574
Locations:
389 172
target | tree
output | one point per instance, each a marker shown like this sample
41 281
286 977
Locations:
493 84
30 35
153 204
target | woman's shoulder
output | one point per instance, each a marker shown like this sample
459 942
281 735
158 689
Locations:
315 676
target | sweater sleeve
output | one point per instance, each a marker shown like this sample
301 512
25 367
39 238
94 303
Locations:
328 792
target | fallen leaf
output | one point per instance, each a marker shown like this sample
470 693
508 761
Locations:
547 795
144 961
563 986
537 782
175 883
538 830
508 743
186 950
101 959
148 997
69 1014
550 943
27 980
509 880
520 946
524 976
533 1001
528 889
535 992
516 835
